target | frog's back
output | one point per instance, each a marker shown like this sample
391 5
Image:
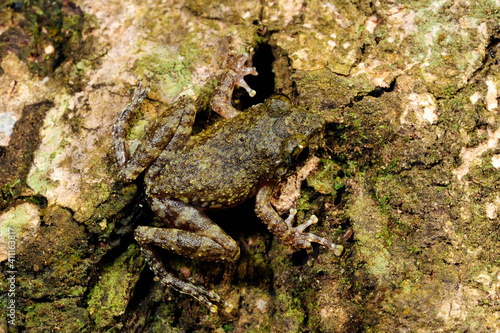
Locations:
223 165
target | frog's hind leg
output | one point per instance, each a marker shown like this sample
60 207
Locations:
120 127
206 297
175 123
192 234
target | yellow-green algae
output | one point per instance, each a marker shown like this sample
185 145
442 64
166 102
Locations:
109 297
426 253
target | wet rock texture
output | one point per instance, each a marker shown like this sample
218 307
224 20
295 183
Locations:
407 179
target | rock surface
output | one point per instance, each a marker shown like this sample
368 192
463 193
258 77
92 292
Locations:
407 181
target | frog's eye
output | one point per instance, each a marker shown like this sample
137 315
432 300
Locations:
278 105
294 149
299 153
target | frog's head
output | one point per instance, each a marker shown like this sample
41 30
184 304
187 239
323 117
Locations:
301 132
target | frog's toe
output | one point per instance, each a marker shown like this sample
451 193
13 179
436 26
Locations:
242 70
336 248
140 93
228 307
212 307
312 220
206 297
304 240
242 83
339 249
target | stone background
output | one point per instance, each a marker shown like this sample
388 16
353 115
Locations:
407 180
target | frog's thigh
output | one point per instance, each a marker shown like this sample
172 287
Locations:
172 130
184 243
191 233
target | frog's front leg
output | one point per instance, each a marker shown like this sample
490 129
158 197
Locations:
283 229
191 234
233 75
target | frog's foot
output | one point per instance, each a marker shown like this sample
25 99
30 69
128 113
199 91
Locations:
297 238
241 70
206 297
233 75
283 229
120 127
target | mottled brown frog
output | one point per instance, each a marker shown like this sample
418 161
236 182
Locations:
234 159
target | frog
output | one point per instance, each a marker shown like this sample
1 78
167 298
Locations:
245 154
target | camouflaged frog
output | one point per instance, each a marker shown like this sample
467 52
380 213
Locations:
238 157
